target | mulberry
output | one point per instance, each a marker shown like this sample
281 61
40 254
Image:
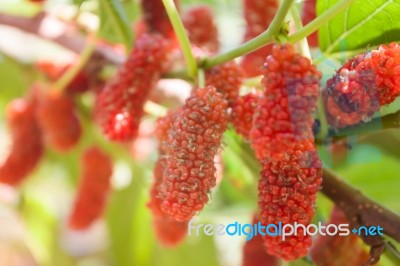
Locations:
282 139
309 13
27 147
258 15
58 120
242 112
193 141
254 253
93 188
337 250
362 85
202 30
119 106
227 79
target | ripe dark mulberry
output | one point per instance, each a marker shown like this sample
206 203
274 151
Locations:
27 147
227 79
58 120
119 106
193 142
242 111
202 30
93 189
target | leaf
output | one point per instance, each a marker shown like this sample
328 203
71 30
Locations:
365 23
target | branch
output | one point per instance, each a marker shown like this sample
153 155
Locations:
362 211
66 36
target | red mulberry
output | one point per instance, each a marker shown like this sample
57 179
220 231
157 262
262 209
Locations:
227 79
282 139
202 30
58 120
362 85
193 142
309 14
27 147
254 253
338 250
242 113
119 106
258 16
93 188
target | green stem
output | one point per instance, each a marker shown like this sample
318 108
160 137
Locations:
305 49
201 78
320 20
182 37
263 39
70 74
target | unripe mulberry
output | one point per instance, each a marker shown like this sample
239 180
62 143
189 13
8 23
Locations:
27 147
362 85
58 120
227 79
93 189
119 106
338 250
254 253
242 111
156 17
258 15
193 141
309 13
202 30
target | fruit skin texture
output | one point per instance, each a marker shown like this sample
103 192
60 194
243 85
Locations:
58 120
193 142
338 250
242 111
227 79
93 189
27 146
169 232
201 28
254 253
119 106
283 141
258 15
362 85
308 14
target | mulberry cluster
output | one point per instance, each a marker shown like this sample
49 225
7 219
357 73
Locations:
119 106
193 142
362 85
309 14
258 15
58 120
201 28
93 189
282 139
27 147
254 253
337 250
227 78
242 111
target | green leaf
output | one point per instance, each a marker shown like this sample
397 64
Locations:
365 23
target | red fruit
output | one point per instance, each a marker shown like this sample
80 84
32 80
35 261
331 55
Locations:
156 17
201 28
27 147
93 189
227 79
362 85
254 253
338 250
308 15
282 139
119 106
58 120
258 15
242 112
193 142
